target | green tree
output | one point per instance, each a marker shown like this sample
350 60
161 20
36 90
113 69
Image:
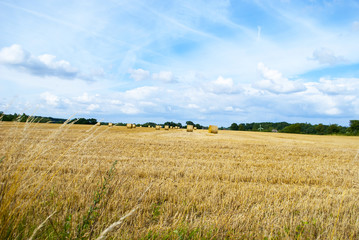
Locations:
293 128
354 127
320 128
190 123
234 126
241 127
333 129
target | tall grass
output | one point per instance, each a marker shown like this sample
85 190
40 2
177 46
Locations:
44 176
80 182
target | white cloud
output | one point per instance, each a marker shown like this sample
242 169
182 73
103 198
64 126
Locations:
193 106
84 98
62 65
339 86
229 109
43 65
326 56
273 81
140 93
13 55
164 76
92 107
139 74
50 99
221 85
129 108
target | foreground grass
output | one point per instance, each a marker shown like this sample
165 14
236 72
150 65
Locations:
234 185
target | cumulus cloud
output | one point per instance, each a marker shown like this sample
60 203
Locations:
222 85
43 65
326 56
50 99
273 81
139 74
129 108
164 76
84 98
13 55
141 93
339 86
92 107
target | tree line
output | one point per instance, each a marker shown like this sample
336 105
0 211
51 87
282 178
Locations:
300 128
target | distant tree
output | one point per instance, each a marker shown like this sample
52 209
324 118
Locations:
190 123
151 124
354 127
91 121
333 129
320 129
234 126
293 128
198 126
242 127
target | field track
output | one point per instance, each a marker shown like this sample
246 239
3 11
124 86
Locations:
233 184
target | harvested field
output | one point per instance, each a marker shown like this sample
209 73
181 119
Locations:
234 185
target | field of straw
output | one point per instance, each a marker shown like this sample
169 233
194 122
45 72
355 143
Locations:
88 182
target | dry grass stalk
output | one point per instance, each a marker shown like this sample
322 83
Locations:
114 225
41 225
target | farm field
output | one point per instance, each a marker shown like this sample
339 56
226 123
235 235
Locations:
74 181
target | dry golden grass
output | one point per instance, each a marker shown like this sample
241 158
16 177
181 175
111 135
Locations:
234 185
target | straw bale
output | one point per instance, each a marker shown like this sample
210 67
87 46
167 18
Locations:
189 128
213 129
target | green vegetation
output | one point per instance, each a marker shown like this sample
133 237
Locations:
300 128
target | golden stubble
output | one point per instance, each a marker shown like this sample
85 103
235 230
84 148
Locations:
229 185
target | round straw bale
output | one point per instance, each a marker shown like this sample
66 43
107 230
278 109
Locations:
171 127
133 125
129 125
195 128
110 124
213 129
98 124
189 128
158 127
167 127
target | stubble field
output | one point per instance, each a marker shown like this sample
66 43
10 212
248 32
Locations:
74 181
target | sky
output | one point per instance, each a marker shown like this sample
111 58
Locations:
210 62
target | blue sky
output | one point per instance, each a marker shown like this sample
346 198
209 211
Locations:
211 62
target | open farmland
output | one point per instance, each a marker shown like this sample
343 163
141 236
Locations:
181 185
